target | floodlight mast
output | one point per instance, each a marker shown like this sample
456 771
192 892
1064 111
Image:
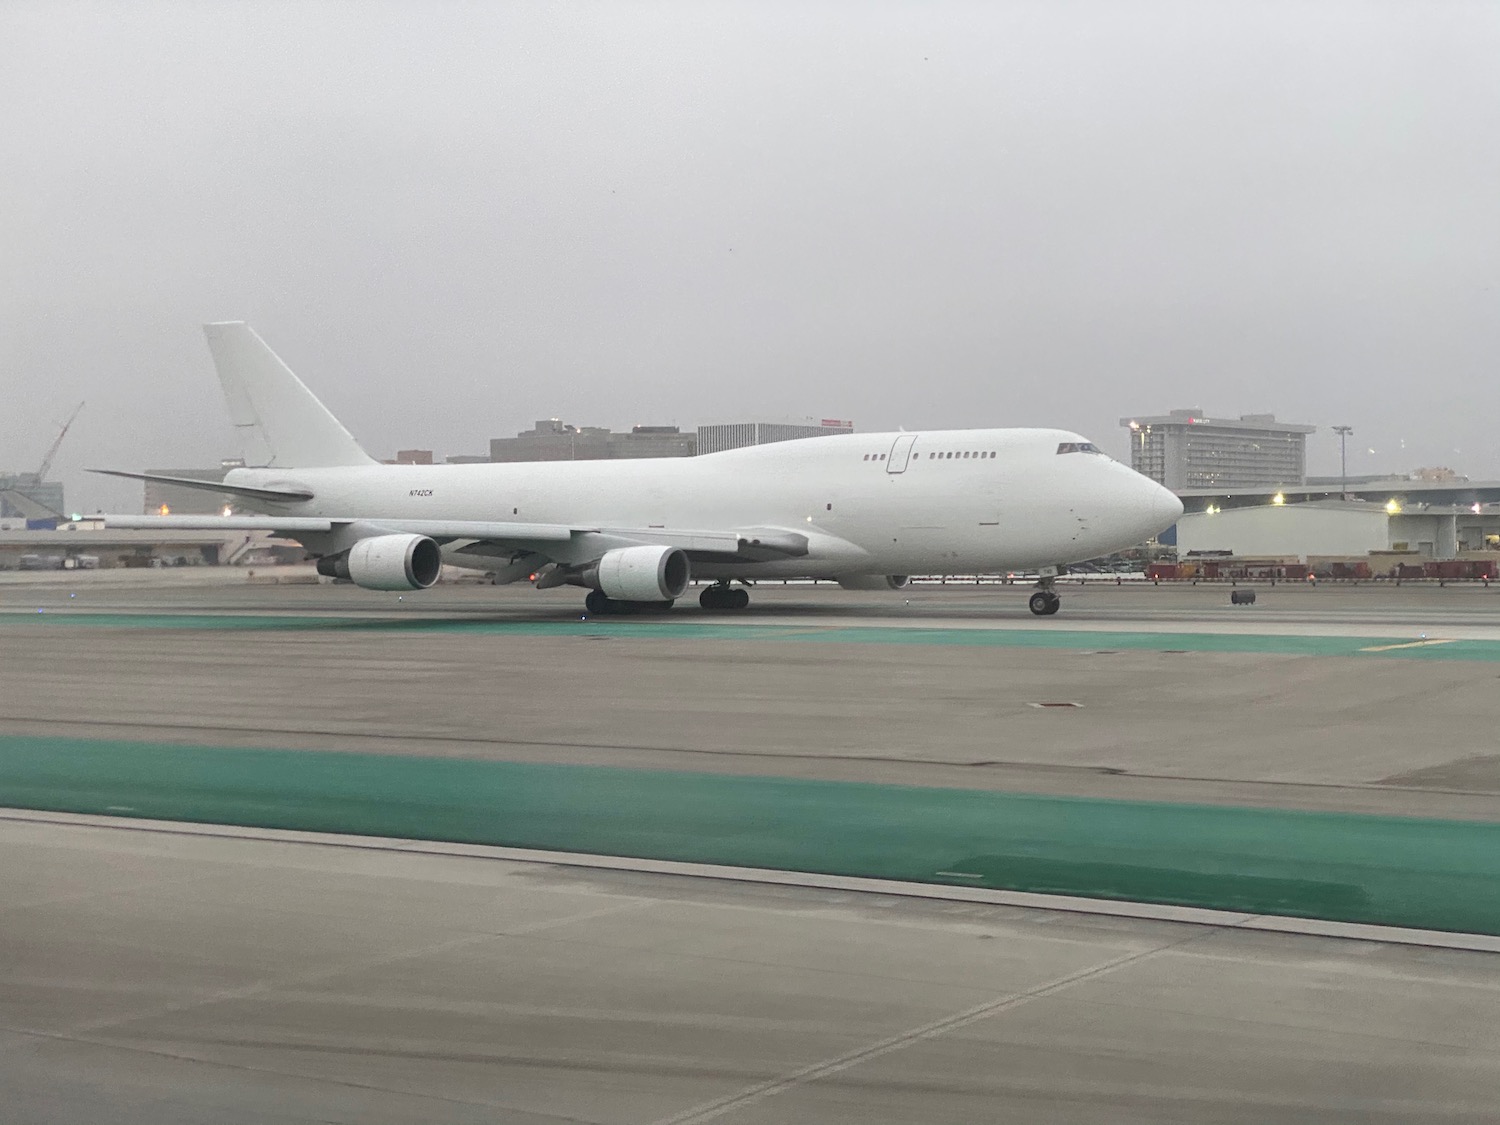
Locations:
1343 432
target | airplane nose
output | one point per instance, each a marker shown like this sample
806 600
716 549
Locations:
1165 506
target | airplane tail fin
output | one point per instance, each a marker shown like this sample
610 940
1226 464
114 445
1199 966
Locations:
279 421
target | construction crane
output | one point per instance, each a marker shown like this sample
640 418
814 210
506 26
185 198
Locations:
41 474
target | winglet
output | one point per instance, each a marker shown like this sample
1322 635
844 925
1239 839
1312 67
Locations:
279 421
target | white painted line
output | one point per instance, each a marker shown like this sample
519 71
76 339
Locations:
1408 644
1112 908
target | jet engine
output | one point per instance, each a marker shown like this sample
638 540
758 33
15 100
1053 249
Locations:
875 581
387 562
640 574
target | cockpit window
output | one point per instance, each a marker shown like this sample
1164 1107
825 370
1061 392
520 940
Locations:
1077 447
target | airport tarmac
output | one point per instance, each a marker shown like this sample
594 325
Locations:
1363 699
1095 601
160 979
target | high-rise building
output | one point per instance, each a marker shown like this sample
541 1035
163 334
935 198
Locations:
1186 450
737 435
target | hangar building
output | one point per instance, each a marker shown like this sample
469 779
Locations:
1340 528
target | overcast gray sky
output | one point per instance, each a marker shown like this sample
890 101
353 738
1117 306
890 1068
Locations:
454 219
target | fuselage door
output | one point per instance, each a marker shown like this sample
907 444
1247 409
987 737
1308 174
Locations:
900 453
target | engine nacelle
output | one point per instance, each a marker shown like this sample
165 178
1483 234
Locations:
640 574
875 581
387 562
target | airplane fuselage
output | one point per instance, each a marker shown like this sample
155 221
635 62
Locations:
949 501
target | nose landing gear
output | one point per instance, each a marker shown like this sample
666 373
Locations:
1044 602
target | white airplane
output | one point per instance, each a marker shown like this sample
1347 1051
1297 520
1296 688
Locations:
863 509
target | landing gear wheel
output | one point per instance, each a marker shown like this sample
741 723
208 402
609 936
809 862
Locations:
1044 603
599 605
720 596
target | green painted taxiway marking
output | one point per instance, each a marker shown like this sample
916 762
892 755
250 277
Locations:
1431 874
1407 648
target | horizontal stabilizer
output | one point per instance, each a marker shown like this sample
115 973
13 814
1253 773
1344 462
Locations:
29 506
285 495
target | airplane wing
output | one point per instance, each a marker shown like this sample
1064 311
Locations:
751 544
481 537
292 525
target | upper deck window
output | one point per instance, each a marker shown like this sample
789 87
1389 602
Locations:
1077 447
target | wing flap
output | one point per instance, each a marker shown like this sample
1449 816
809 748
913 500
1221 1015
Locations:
289 524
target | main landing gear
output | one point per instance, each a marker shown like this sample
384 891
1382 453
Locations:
1044 602
721 596
600 605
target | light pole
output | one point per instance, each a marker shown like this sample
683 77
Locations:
1343 432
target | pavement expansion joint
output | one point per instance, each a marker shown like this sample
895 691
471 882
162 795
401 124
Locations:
712 1111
